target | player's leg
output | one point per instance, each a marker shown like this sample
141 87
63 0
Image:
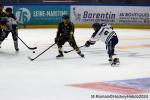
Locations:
60 43
111 49
0 36
74 45
15 39
114 43
4 34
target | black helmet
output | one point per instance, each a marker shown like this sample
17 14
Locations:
9 10
96 26
65 17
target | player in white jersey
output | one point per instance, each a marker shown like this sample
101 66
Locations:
106 34
10 26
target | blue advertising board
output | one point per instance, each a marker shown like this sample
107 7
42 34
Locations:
40 14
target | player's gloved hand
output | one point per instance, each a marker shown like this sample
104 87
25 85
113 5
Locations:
71 38
87 44
3 21
56 40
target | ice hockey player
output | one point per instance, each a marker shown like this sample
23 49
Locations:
10 26
105 33
2 14
65 34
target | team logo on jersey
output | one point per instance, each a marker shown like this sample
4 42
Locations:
23 15
77 15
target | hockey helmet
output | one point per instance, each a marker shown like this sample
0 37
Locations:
65 17
9 10
96 26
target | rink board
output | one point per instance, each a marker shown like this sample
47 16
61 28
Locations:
86 26
82 15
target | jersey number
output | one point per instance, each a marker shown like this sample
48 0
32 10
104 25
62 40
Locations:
106 32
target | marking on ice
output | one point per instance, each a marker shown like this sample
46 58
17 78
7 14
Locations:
132 86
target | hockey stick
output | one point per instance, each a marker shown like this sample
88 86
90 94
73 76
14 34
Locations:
32 59
26 44
73 49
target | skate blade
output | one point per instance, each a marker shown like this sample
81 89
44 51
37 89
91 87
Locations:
82 57
115 64
59 57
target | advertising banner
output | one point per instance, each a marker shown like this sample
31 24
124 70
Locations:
138 15
40 14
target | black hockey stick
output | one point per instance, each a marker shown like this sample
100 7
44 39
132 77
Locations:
73 49
32 48
32 59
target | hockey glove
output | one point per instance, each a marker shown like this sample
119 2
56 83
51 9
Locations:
87 44
56 40
3 21
71 38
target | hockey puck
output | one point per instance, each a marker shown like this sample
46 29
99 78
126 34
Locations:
33 51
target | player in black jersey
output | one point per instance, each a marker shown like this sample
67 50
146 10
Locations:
10 26
65 33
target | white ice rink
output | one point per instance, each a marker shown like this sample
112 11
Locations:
48 78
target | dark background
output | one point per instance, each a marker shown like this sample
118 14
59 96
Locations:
80 1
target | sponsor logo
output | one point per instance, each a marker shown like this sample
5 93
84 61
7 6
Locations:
76 15
131 17
23 15
93 16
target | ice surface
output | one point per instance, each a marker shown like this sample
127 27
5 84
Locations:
47 77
